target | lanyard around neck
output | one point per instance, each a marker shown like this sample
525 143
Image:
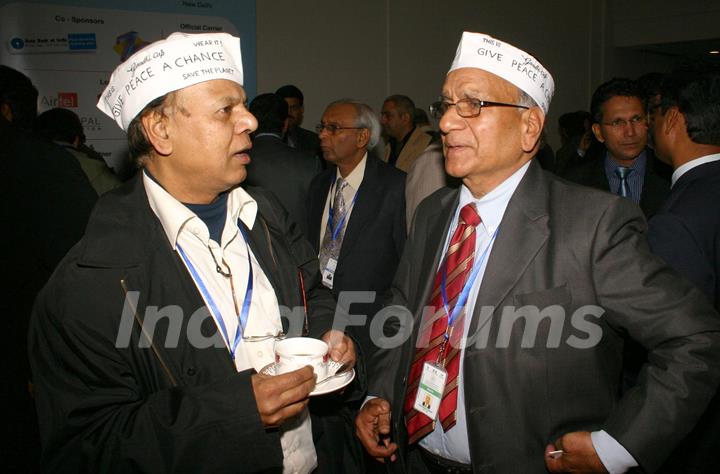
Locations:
244 312
465 292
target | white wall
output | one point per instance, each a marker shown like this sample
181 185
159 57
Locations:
370 49
373 48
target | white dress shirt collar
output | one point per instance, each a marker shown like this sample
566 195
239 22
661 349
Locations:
681 170
491 207
355 178
174 215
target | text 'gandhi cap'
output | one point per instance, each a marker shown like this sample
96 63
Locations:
181 60
505 60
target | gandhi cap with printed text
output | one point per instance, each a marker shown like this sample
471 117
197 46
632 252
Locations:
181 60
521 69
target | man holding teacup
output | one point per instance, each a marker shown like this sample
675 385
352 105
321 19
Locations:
146 342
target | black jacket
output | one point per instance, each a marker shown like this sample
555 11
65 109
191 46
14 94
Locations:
169 407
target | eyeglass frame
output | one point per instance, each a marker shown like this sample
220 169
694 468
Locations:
435 106
620 124
332 129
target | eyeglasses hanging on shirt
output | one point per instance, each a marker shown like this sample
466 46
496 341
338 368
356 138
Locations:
241 313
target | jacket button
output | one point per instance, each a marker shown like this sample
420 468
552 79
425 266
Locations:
191 371
404 379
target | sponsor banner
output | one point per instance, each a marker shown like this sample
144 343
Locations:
69 53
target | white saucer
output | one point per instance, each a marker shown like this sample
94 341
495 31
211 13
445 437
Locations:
326 387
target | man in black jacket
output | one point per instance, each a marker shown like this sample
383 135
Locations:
274 165
624 165
296 136
686 230
146 342
46 202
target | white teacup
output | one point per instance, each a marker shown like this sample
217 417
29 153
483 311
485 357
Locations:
297 352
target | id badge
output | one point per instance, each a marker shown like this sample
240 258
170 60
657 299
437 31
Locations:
430 390
329 272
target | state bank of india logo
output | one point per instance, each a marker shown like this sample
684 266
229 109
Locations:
17 43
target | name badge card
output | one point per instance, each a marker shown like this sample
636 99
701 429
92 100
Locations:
329 272
430 390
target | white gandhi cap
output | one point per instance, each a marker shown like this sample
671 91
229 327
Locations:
505 60
180 61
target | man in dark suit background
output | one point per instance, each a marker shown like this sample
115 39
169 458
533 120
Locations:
46 202
359 247
686 230
356 222
572 264
296 136
285 171
626 165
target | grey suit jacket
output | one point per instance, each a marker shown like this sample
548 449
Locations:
559 248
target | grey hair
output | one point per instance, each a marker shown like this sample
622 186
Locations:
366 118
525 99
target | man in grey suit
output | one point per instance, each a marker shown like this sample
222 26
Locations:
285 171
570 264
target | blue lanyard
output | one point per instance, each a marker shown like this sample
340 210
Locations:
336 231
244 312
462 298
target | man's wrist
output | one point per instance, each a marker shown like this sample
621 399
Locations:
612 454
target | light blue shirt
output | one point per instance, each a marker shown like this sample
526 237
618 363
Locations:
491 208
453 444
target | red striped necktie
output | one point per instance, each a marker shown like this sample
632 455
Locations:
457 266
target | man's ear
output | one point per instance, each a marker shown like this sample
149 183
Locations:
532 126
674 121
363 138
156 131
597 131
6 112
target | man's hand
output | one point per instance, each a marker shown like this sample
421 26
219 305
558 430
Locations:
372 426
340 347
280 397
578 454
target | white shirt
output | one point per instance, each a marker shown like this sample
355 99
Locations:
681 170
354 180
186 230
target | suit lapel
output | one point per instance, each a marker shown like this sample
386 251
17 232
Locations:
317 206
364 209
523 231
438 225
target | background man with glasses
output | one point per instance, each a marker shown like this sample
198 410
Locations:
184 256
356 212
626 166
356 222
522 287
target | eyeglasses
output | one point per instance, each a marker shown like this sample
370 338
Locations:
619 124
467 107
332 129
